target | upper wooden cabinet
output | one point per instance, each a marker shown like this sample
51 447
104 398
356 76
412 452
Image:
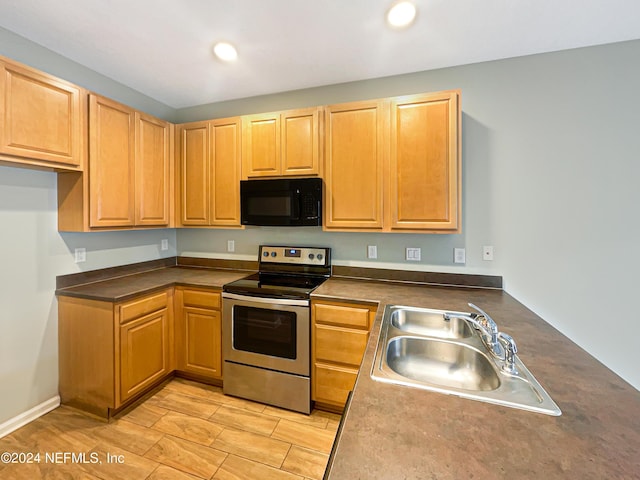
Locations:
152 171
210 173
394 164
424 163
128 182
42 119
356 154
282 143
111 163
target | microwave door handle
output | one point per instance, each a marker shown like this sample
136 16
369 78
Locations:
296 204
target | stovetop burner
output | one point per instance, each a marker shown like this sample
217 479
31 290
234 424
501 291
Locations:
285 272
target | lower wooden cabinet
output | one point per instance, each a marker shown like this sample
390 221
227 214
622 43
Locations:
144 352
199 332
339 339
111 352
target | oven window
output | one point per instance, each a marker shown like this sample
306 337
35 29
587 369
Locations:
269 332
269 206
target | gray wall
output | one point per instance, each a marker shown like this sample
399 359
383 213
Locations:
550 178
33 253
550 148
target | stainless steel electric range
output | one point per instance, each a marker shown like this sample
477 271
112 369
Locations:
266 327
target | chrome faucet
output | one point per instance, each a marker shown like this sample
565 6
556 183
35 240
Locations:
500 344
510 351
483 322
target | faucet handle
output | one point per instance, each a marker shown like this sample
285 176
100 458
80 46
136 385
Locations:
510 350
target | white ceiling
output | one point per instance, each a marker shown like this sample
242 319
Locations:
163 47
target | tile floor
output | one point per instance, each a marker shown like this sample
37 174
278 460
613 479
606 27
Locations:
185 431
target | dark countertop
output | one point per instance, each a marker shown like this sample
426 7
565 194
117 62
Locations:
126 287
395 432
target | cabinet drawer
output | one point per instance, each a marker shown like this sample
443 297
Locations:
340 345
143 306
343 315
201 298
333 384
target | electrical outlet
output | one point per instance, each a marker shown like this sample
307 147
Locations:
413 254
487 252
372 251
164 244
231 246
80 255
459 255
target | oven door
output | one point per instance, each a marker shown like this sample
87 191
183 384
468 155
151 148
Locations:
269 333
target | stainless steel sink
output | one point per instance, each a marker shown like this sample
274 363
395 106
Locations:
443 363
430 323
420 348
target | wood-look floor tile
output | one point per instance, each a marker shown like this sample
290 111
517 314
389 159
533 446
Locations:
167 473
132 466
145 414
128 436
304 435
303 461
186 456
316 418
252 446
219 397
237 468
245 420
189 428
187 387
45 471
194 406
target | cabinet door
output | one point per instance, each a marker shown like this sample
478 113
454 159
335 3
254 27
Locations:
144 352
194 173
40 117
199 332
332 384
424 167
300 142
356 153
152 170
225 163
261 145
111 163
201 348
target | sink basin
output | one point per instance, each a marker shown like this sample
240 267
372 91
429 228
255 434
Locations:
443 363
419 348
431 323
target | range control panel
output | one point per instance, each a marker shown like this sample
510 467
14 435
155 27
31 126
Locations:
295 255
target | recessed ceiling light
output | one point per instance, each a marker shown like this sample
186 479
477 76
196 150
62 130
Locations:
401 14
225 51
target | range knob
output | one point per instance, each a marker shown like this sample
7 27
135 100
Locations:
273 254
311 256
319 256
265 254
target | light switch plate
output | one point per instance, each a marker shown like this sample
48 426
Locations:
459 255
413 254
487 252
231 246
372 251
164 244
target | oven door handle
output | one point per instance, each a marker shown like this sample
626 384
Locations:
269 301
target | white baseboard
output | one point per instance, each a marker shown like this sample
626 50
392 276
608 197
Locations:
29 416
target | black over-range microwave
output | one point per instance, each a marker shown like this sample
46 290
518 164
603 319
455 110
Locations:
283 202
